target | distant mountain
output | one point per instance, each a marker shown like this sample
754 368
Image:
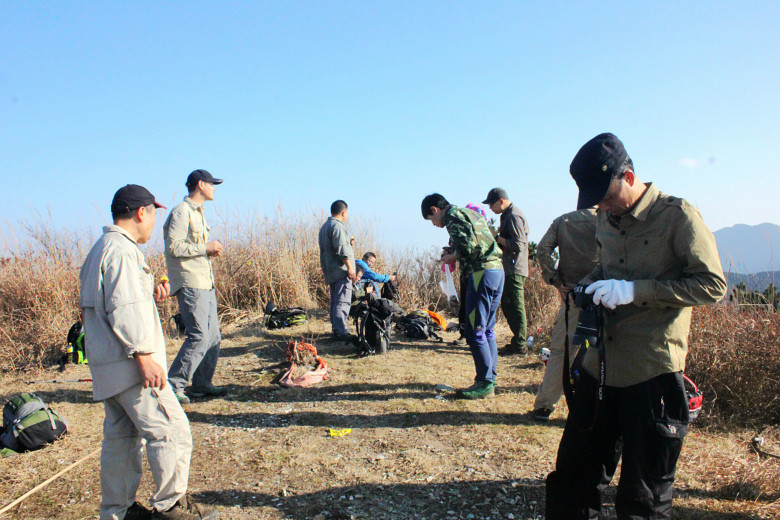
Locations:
754 282
747 249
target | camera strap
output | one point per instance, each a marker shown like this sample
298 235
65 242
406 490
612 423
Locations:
569 379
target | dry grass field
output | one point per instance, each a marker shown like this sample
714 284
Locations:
265 452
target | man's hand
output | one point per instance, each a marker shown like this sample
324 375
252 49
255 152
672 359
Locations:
152 373
611 293
448 258
214 248
351 241
351 273
161 291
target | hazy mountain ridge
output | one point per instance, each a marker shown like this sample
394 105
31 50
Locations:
745 250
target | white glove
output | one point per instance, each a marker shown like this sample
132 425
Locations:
611 293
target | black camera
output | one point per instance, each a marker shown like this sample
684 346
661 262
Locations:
590 320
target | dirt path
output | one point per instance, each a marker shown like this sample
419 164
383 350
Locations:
265 452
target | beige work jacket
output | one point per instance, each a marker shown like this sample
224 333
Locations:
574 234
119 312
186 234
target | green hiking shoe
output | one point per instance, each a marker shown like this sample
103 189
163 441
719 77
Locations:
182 397
479 390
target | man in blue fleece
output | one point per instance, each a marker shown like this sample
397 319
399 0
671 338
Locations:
368 261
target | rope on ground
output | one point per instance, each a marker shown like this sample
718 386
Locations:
49 481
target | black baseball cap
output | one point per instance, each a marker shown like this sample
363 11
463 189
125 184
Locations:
594 166
494 195
201 175
132 197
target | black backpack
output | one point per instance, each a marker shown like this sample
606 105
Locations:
389 290
419 325
280 318
373 322
29 424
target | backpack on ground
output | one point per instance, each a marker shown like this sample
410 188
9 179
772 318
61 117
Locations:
76 349
389 290
280 318
373 322
419 325
29 424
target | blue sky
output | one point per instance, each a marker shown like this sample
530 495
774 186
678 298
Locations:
381 103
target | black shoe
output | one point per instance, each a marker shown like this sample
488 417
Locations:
208 391
186 509
542 414
512 350
138 512
340 337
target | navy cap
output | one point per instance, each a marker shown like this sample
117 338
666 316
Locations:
132 197
495 194
594 166
201 175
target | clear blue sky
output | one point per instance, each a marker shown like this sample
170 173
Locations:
381 103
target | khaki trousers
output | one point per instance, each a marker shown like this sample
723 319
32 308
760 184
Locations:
136 415
551 389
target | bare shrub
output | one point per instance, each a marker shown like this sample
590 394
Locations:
734 356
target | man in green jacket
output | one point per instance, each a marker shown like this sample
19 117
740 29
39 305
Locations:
513 240
476 250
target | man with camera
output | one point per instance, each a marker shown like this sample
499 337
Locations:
574 235
657 259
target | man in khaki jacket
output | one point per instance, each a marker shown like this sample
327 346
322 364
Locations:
188 254
126 352
657 259
574 235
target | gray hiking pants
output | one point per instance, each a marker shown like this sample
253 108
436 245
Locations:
198 355
340 298
135 415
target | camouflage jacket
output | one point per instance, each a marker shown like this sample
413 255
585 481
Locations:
472 240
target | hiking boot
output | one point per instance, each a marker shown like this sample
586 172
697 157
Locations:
186 509
182 397
208 391
542 414
460 341
512 350
137 512
340 337
478 390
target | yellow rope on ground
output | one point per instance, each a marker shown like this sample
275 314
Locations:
42 484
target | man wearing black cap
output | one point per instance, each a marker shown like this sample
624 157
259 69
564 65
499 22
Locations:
188 254
513 240
126 349
657 259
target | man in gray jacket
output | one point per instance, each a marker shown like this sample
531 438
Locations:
126 352
337 260
513 240
188 254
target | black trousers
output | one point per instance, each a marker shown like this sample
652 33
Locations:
646 424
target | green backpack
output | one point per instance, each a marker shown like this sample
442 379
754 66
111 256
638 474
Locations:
29 424
76 349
